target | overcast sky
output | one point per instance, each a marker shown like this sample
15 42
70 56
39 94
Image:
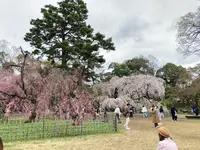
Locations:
144 27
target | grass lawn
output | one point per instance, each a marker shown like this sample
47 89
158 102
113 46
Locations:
141 136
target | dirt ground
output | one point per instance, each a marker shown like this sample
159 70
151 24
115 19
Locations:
141 136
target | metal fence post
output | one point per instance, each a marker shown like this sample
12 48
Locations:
43 127
81 126
115 123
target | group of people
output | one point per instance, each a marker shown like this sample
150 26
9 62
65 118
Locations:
129 110
128 113
165 140
159 110
158 114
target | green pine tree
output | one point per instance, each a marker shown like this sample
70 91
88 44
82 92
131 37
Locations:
64 37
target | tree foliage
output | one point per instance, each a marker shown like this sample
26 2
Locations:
191 94
136 65
195 70
188 33
36 90
136 89
174 75
63 35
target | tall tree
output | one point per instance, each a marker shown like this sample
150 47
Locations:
188 33
173 74
136 65
36 92
63 35
191 94
195 70
120 70
139 64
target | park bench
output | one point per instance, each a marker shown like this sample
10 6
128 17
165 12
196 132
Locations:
192 117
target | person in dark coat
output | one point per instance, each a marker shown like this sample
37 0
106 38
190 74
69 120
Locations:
161 112
193 109
174 113
105 116
197 111
131 108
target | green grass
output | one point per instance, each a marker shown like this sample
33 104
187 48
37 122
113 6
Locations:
16 130
141 136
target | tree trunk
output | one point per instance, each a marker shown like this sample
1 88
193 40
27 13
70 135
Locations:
64 53
22 70
64 60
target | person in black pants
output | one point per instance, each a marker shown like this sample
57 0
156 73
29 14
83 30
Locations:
197 111
131 113
174 113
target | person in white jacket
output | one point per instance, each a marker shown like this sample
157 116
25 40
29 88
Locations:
144 111
118 113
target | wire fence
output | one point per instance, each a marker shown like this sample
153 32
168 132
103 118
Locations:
17 130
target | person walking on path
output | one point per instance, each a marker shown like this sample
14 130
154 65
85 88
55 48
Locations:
155 116
144 111
118 113
165 141
127 115
161 112
174 113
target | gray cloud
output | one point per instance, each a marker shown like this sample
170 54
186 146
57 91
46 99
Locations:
137 26
156 38
133 28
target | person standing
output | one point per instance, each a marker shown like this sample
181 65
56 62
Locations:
144 111
118 113
174 113
165 141
131 108
197 111
105 116
155 116
159 115
127 115
193 109
161 112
